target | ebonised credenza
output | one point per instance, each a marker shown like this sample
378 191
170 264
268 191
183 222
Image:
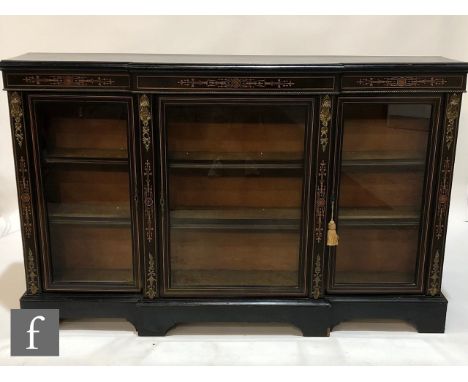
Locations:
173 188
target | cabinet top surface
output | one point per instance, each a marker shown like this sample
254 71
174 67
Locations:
123 61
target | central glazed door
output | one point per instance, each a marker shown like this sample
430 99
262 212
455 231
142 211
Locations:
235 180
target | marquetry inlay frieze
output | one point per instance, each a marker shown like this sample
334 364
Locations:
236 83
40 80
376 82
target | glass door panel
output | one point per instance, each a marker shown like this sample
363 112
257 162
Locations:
84 156
235 192
383 163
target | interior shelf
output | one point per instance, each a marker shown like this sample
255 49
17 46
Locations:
93 214
96 221
382 155
106 210
85 161
85 153
235 165
378 216
392 164
244 219
275 156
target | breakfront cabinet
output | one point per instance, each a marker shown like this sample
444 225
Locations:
168 189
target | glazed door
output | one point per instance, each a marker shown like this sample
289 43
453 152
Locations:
83 152
234 180
385 166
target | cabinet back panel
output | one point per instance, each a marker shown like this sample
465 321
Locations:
376 255
381 189
83 128
252 132
200 191
105 134
221 249
91 253
91 185
234 258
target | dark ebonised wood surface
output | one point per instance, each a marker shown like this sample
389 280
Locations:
186 61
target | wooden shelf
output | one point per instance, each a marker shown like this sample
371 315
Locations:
86 153
236 165
273 156
387 164
103 222
109 210
385 160
92 214
85 161
243 219
378 217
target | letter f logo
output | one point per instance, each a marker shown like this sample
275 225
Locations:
32 331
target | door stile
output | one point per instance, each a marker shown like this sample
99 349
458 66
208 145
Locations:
323 141
147 188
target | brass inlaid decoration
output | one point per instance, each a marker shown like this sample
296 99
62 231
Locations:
16 111
236 83
414 82
317 279
68 80
402 81
151 278
31 274
434 287
320 201
148 201
25 197
195 83
145 118
453 109
325 118
444 197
